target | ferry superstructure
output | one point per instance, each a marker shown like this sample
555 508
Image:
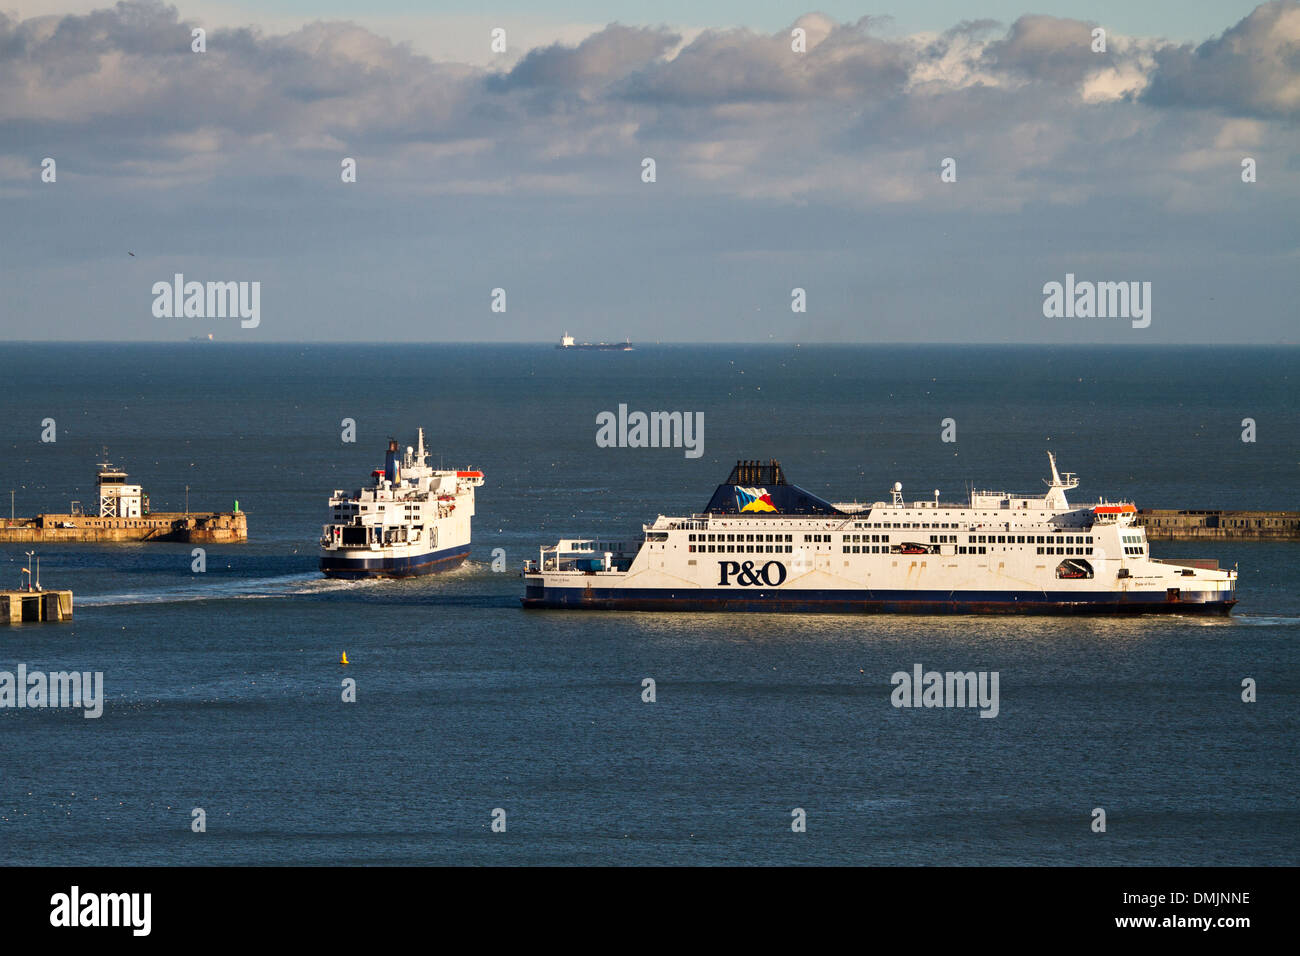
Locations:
412 520
763 544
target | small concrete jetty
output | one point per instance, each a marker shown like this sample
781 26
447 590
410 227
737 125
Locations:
19 607
1171 525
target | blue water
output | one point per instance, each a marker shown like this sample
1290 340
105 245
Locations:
223 688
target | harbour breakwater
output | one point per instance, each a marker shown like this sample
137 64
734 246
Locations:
197 527
227 527
1164 524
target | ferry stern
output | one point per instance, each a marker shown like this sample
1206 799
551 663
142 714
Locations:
413 520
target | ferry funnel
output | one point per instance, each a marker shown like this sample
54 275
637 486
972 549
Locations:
392 468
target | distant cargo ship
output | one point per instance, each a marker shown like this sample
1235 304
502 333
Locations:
567 341
763 544
413 520
124 515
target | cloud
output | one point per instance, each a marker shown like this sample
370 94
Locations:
1252 69
609 55
735 109
1047 49
738 66
532 166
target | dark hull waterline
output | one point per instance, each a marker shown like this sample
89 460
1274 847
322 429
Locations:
432 562
866 602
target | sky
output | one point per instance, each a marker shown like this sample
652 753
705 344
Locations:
775 170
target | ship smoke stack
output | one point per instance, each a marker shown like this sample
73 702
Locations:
392 470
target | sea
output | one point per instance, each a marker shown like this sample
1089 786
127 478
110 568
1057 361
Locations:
771 739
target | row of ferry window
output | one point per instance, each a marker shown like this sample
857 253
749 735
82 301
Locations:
983 539
1055 541
962 549
955 525
379 507
741 548
1032 539
884 538
934 539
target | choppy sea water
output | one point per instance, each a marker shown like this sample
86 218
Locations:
223 688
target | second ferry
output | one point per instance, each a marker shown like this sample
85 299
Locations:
412 520
763 544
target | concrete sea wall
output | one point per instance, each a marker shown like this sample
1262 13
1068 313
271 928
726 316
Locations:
1176 525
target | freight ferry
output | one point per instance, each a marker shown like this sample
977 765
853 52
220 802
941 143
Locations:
412 520
763 544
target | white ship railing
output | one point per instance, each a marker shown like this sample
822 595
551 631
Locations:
584 555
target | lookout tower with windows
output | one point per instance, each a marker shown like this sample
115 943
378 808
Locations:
117 499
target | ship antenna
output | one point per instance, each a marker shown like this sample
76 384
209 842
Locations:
1069 483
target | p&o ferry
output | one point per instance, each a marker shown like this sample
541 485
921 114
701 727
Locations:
412 520
763 544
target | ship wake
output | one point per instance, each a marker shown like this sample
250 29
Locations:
289 585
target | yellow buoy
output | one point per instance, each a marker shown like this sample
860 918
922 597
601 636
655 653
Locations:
345 658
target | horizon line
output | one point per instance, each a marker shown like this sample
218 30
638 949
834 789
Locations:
650 344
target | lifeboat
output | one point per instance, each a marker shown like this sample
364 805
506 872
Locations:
1074 570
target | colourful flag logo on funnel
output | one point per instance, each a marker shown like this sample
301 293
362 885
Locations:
753 499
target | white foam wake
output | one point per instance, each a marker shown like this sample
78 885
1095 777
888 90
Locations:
311 582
